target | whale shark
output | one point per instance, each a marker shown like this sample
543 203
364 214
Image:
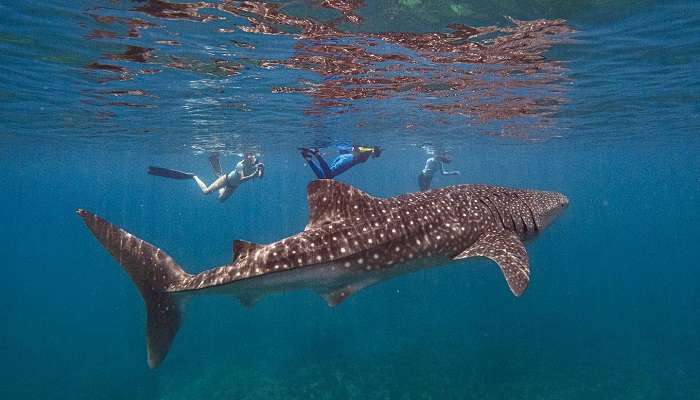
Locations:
352 240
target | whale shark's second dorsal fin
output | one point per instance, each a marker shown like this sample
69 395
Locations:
242 247
331 200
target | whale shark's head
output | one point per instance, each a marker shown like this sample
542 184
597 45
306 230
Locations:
547 206
537 209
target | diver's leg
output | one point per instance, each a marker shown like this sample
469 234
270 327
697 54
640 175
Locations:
327 171
424 182
215 164
226 192
319 170
316 169
218 184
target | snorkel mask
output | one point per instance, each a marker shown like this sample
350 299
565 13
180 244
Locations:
250 158
375 151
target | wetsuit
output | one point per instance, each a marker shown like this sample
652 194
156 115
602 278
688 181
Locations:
343 162
432 165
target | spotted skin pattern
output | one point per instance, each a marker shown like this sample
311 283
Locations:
363 234
352 241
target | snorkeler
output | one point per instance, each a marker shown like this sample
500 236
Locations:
432 165
348 158
246 169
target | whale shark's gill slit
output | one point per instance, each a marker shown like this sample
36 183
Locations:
514 211
498 211
532 215
487 207
502 210
535 228
512 220
525 229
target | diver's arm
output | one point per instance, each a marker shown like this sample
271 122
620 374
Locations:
251 176
254 174
443 172
426 169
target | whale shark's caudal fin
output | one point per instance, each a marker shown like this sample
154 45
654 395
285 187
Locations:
152 271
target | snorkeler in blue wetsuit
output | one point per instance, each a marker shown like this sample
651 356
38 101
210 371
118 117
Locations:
347 158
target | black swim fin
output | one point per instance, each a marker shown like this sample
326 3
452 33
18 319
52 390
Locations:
169 173
307 153
215 164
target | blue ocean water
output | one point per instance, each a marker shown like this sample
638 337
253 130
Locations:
603 107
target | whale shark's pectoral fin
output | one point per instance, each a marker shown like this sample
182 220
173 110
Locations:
508 251
337 295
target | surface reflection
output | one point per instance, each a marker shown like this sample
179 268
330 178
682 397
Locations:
488 73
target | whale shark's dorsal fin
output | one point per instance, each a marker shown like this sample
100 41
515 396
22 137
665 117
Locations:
508 251
241 247
331 200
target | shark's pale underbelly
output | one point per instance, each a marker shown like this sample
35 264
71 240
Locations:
320 278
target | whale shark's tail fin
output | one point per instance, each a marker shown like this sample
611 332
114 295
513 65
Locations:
152 271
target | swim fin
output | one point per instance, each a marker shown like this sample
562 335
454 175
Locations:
169 173
305 153
215 164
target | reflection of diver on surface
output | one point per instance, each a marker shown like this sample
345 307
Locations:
348 158
433 165
226 184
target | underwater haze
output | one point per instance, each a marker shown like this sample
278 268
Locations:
599 100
